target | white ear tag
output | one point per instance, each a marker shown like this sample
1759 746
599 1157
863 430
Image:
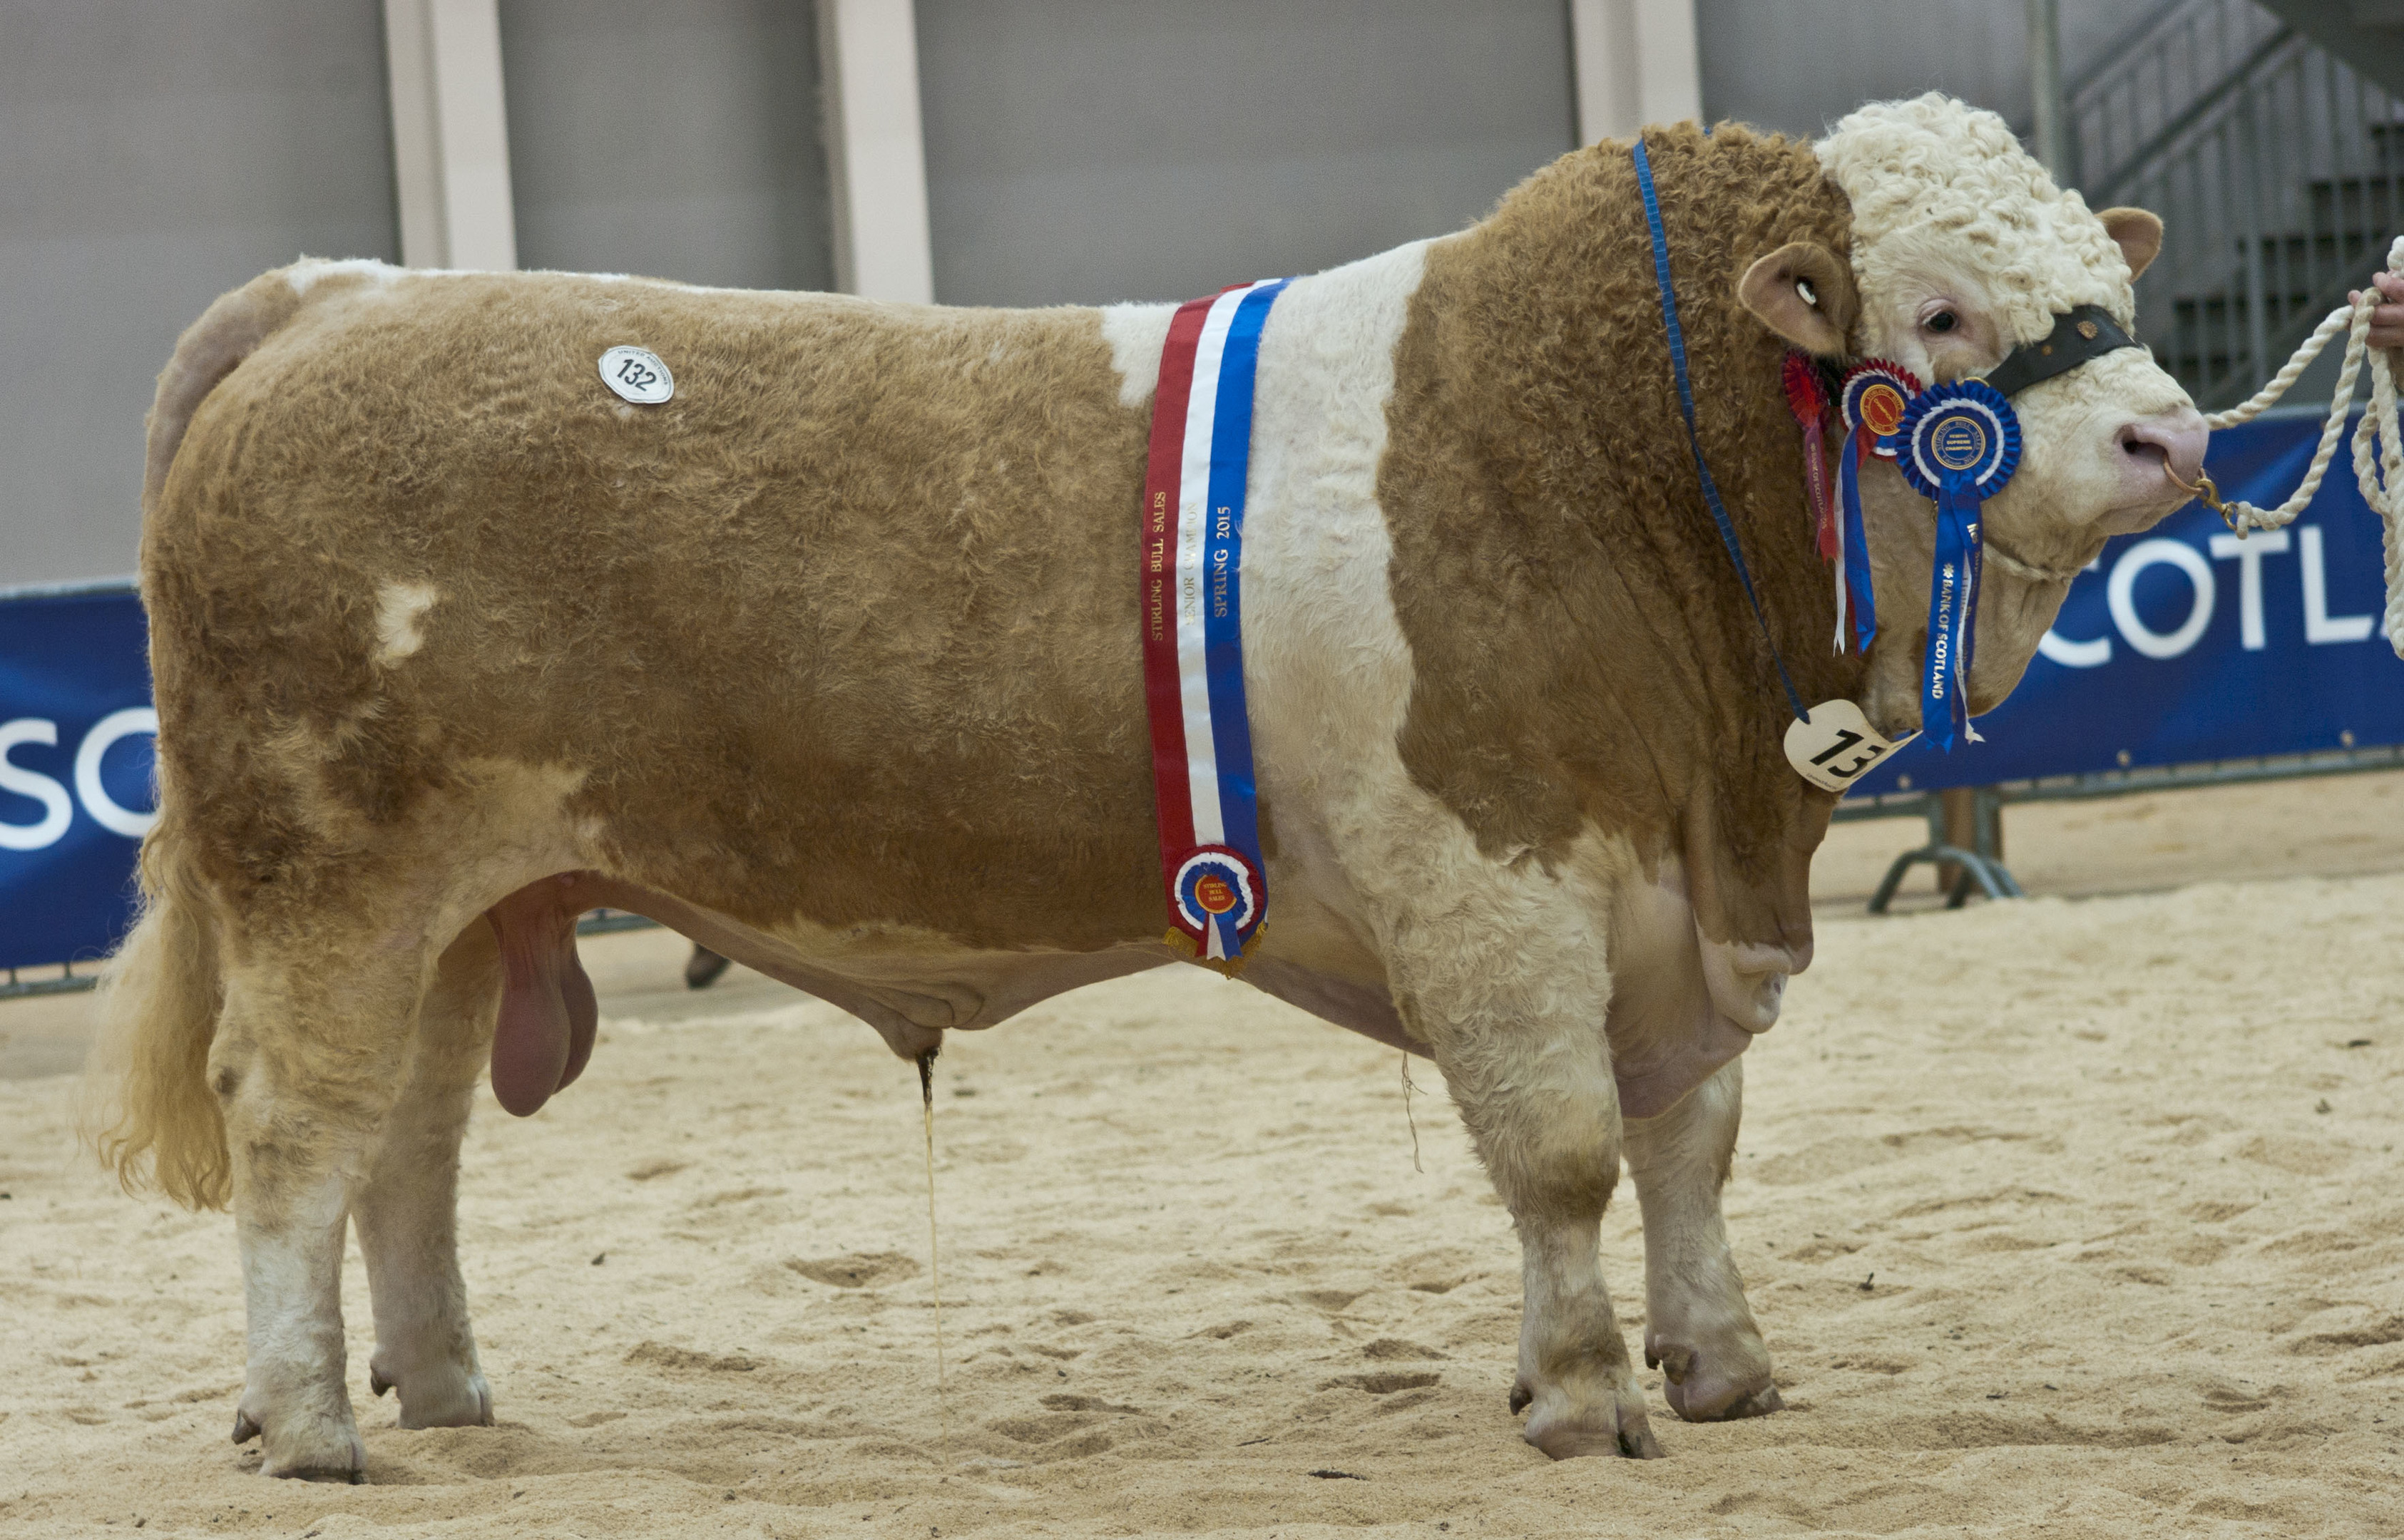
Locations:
1838 746
637 375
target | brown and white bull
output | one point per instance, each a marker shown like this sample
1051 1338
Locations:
832 663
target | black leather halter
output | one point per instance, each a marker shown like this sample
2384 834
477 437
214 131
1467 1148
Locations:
2078 335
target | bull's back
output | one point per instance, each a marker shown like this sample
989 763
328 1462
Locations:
844 631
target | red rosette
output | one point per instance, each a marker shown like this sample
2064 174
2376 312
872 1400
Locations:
1807 398
1806 392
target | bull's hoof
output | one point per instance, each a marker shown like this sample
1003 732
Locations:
1564 1439
464 1406
1719 1387
1606 1420
703 968
1760 1403
1520 1396
442 1395
324 1447
329 1456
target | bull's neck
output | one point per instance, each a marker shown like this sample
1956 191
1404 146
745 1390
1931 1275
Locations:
1584 654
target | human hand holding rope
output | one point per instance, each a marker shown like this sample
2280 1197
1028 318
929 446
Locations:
2387 321
2372 322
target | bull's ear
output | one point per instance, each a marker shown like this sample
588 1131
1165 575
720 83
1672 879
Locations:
2138 234
1802 292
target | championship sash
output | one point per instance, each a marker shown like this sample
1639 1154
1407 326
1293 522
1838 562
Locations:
1193 625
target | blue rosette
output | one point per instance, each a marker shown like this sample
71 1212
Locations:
1960 439
1958 445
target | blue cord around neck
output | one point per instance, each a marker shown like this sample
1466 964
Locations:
1686 406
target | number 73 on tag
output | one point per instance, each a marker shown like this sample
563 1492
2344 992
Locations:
1836 746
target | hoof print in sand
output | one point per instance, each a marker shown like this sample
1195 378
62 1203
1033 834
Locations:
860 1270
1383 1383
660 1355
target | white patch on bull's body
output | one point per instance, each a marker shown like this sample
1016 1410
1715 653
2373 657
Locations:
1135 334
1527 981
400 606
306 273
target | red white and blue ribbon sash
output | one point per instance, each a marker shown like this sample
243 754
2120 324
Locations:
1192 623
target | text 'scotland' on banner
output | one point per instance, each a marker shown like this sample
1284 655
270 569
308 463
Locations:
75 731
2184 644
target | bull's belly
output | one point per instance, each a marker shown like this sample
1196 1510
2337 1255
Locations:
910 987
1679 1007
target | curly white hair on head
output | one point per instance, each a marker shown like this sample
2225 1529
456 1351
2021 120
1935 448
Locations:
1932 177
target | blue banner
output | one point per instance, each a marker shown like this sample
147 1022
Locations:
76 729
2185 643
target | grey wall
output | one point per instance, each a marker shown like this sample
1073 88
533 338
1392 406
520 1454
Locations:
154 154
670 139
1800 67
1093 150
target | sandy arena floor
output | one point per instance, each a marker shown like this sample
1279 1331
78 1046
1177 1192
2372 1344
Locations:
2064 1218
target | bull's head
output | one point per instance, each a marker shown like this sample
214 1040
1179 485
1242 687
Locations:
1963 254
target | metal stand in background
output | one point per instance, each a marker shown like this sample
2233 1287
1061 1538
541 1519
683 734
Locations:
1966 823
1965 845
15 986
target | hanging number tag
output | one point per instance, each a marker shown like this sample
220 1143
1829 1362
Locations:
637 375
1838 746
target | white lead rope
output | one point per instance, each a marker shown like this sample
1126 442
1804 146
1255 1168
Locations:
2378 443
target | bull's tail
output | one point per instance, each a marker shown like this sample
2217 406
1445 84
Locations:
228 332
147 1107
150 1113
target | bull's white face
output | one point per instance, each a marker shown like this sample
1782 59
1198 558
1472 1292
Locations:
1962 250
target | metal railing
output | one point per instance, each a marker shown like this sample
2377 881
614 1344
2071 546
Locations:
2275 166
2152 81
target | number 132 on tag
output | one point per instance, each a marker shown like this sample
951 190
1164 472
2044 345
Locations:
637 375
1838 746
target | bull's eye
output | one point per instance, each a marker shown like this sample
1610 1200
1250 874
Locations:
1942 321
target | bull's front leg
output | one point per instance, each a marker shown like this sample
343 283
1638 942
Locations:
1699 1330
1532 1075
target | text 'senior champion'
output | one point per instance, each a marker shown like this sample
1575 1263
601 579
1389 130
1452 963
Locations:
1192 623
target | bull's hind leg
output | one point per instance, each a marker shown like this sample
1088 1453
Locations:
406 1208
1698 1328
307 1060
